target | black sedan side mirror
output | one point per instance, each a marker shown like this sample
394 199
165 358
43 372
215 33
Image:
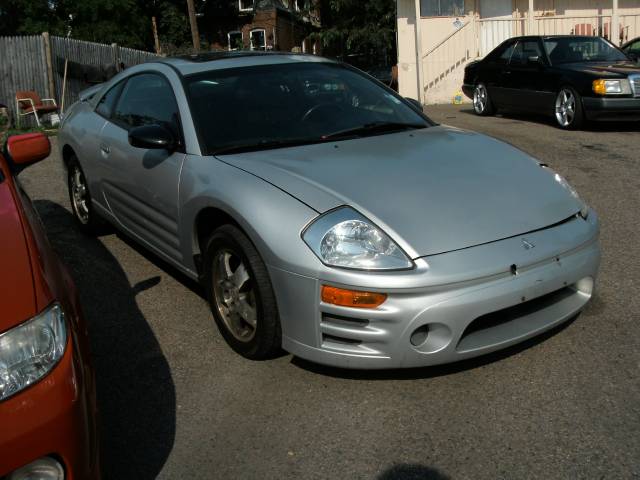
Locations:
414 103
152 137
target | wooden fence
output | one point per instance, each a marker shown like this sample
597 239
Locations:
37 62
23 66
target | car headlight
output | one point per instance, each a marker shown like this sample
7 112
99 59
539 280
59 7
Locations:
29 351
584 209
345 238
604 87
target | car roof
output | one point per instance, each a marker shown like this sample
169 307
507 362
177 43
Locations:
543 37
219 60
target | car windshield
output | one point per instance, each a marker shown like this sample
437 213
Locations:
269 106
581 49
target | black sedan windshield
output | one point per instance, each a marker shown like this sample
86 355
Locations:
581 49
291 104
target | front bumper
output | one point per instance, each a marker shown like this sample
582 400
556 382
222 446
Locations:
54 417
615 109
446 294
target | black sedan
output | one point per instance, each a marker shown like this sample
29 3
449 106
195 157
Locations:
571 77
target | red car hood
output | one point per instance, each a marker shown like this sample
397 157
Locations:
17 294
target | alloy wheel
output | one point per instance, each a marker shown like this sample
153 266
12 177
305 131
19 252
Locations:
480 98
235 298
565 107
79 195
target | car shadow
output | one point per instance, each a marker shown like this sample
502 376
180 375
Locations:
163 265
433 371
589 126
135 389
412 471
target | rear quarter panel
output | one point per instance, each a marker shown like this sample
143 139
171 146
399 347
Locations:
81 132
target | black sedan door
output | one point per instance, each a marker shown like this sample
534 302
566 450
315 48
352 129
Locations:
527 84
493 69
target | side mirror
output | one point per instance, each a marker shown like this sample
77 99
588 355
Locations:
414 103
633 56
152 137
27 149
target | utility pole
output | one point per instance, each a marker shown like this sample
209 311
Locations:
195 36
156 40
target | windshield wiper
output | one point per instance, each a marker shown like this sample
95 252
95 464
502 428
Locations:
373 128
263 145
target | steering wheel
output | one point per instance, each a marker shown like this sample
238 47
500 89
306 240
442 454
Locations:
319 107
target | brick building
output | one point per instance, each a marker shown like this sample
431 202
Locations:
269 25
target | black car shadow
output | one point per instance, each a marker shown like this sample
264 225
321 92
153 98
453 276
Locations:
434 371
589 126
136 393
412 471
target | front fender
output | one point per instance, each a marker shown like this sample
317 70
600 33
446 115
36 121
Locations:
271 218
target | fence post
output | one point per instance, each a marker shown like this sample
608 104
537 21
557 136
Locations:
49 71
116 56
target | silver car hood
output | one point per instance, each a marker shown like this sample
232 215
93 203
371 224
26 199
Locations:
433 190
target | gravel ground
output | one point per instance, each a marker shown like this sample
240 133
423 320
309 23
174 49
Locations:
176 402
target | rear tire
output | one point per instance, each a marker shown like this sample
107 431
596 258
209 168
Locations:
240 294
80 198
482 103
569 114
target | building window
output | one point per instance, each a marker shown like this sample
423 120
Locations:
245 5
441 8
258 39
235 40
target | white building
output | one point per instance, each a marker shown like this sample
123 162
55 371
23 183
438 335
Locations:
433 51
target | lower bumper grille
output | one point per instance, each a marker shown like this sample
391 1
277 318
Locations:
522 319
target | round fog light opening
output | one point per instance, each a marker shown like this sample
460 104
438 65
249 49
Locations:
45 468
419 335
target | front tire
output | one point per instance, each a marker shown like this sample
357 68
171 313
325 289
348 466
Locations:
240 294
482 103
568 109
80 197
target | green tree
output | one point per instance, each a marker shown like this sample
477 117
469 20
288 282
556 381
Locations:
109 21
352 27
27 17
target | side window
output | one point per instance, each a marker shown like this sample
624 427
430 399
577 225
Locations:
634 48
108 100
502 54
524 50
147 99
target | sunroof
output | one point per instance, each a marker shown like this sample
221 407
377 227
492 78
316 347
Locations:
219 55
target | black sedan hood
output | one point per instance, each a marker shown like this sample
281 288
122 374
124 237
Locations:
604 69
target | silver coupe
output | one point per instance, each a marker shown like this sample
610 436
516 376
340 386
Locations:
326 215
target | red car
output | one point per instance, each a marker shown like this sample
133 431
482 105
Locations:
47 386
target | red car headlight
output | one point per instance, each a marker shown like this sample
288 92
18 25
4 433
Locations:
29 351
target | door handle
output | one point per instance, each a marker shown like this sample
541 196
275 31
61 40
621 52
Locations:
105 150
507 72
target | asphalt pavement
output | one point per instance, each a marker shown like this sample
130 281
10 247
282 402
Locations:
177 403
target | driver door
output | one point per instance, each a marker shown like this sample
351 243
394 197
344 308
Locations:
140 186
527 81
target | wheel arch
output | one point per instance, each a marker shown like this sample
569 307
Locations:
206 221
67 154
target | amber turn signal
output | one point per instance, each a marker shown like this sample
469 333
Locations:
599 87
352 298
